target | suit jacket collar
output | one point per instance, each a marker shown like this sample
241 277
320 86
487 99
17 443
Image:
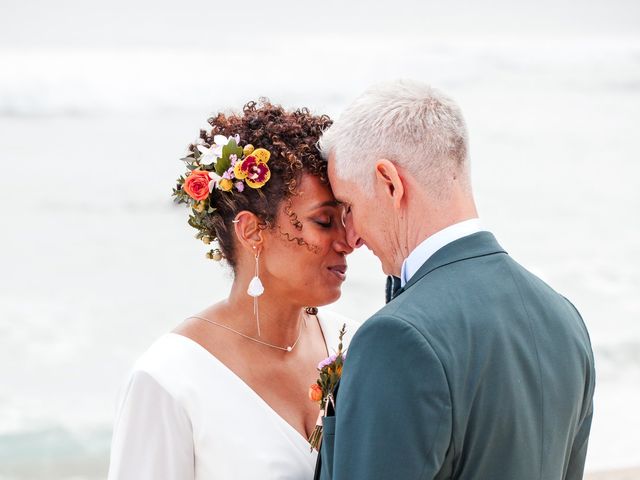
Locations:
472 246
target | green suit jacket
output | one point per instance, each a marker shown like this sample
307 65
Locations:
476 370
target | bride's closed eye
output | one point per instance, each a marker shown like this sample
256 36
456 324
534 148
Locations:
328 220
325 223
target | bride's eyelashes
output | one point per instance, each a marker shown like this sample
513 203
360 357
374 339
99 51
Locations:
324 223
329 220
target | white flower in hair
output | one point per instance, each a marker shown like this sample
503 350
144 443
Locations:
215 178
221 140
208 155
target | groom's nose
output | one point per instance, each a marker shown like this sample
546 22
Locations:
353 239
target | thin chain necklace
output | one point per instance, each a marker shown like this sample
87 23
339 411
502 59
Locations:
286 349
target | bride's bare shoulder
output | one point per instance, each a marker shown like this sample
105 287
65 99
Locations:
331 319
195 326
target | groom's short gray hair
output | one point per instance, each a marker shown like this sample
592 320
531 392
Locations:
411 124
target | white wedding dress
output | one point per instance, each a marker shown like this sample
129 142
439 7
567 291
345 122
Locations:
184 415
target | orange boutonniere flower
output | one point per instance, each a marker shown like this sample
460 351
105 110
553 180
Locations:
315 392
330 371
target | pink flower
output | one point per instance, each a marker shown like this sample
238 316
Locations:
327 361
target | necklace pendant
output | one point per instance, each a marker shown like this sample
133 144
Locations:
289 349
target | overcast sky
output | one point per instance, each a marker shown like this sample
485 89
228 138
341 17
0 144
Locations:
200 23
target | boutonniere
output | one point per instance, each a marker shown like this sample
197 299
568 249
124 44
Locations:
330 371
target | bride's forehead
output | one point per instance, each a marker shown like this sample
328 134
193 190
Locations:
313 189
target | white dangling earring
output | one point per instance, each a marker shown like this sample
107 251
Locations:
255 290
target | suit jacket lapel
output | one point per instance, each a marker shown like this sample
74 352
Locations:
472 246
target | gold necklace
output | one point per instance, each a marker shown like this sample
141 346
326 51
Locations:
286 349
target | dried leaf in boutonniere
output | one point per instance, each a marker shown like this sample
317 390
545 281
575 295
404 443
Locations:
330 371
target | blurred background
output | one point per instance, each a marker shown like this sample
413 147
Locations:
98 101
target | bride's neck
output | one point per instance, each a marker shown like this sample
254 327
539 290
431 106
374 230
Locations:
279 317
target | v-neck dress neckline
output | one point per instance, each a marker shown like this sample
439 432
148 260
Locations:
200 404
330 339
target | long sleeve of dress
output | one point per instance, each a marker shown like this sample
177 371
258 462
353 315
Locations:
153 437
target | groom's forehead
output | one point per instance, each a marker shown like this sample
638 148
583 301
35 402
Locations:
342 189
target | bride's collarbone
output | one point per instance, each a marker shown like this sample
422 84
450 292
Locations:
280 379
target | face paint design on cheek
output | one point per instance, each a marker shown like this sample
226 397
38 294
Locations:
293 217
297 224
300 241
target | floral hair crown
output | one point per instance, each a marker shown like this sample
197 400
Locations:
223 165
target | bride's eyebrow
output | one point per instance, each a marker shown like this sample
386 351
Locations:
328 203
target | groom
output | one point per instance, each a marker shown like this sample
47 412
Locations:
476 369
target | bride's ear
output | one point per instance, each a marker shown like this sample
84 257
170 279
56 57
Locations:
248 230
390 181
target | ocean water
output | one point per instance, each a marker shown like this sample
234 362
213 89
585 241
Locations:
97 261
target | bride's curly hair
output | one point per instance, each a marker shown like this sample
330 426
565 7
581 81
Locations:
291 137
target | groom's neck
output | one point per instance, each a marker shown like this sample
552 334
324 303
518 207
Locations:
427 217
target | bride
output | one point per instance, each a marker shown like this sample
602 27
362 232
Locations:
225 394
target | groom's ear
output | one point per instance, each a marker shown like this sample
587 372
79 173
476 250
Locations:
389 179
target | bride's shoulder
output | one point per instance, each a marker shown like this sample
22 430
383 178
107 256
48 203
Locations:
168 360
335 317
332 322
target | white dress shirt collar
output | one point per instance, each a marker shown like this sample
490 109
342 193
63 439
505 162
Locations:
435 242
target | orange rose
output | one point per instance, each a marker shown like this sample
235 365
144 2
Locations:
315 392
197 185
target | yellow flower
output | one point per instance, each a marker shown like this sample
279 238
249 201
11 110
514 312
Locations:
225 184
259 174
248 150
262 155
254 172
238 171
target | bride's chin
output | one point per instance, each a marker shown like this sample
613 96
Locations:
333 296
330 295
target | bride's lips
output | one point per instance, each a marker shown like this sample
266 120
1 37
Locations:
339 271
